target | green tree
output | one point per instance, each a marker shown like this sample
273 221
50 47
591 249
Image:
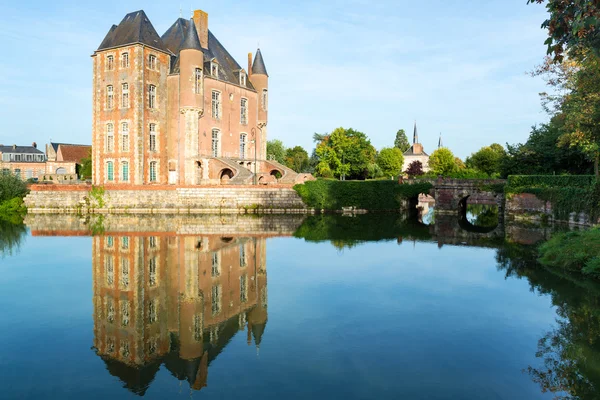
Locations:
276 150
401 141
297 159
442 162
390 161
488 159
85 169
11 186
345 152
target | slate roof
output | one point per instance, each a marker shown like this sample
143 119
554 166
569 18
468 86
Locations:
191 41
258 66
134 28
74 153
411 152
20 150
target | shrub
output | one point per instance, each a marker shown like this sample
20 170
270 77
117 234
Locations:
11 186
577 251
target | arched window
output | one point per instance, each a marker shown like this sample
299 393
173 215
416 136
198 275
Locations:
215 142
110 97
110 137
110 172
125 136
125 60
152 144
125 171
151 96
265 99
125 95
153 167
198 81
243 138
244 111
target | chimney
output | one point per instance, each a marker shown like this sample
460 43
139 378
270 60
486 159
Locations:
14 146
249 64
34 144
201 21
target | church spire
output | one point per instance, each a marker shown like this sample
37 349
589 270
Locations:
415 134
440 144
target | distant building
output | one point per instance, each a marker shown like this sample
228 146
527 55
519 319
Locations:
25 161
64 158
416 153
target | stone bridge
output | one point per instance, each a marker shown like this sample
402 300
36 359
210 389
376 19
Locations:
451 195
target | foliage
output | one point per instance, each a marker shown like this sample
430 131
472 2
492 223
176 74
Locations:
11 186
442 162
345 152
276 151
390 161
384 195
517 182
97 193
401 141
573 26
488 159
374 171
297 159
85 170
414 169
577 251
483 215
11 236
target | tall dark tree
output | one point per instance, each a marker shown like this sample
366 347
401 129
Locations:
401 141
415 168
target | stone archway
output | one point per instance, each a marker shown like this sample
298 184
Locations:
225 175
276 173
61 171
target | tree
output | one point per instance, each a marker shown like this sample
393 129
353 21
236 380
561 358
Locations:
488 159
401 141
11 186
442 162
345 152
415 168
276 150
297 159
573 26
85 169
390 161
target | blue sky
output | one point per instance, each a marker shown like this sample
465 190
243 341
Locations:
458 67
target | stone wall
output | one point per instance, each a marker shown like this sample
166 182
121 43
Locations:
165 200
527 206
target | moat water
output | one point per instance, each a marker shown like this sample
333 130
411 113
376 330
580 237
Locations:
363 307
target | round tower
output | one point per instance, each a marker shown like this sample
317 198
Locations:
260 80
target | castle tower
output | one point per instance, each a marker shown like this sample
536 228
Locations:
260 80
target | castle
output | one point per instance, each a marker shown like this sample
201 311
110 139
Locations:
178 109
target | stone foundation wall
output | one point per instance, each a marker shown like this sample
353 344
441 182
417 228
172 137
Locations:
182 200
527 206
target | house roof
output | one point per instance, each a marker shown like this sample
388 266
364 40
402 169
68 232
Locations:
134 28
74 152
411 152
20 150
258 66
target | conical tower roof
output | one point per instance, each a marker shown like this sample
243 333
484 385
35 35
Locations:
191 39
258 66
440 144
415 134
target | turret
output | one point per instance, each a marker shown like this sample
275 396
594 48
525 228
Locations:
191 64
260 80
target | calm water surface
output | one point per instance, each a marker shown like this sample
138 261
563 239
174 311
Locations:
338 307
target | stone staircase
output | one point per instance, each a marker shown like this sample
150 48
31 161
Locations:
243 176
289 175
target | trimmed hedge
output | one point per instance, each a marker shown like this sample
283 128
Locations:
550 181
326 194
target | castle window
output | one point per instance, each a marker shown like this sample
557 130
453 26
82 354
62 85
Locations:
152 61
125 314
124 243
215 143
125 95
110 173
152 311
152 272
110 63
110 137
216 104
265 99
153 165
110 310
243 138
151 96
125 60
110 270
125 136
152 137
242 256
17 157
110 241
152 242
125 176
198 81
216 299
110 97
198 325
124 273
244 111
216 265
242 79
243 288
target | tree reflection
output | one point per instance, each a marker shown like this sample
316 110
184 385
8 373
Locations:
11 237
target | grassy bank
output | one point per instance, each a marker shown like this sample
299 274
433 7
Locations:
577 251
332 195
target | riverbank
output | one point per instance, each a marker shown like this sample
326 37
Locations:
576 251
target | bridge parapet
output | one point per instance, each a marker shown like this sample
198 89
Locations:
451 194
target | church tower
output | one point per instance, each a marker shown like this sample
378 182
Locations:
260 80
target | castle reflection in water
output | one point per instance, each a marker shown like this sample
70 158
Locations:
175 300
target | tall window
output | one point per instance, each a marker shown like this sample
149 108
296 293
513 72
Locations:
125 95
110 97
124 273
216 104
265 99
152 306
110 310
125 60
152 272
198 81
110 270
216 299
198 325
153 165
244 111
242 256
125 137
243 288
110 137
152 96
124 312
152 61
110 63
216 265
124 243
243 137
110 173
215 143
125 171
152 146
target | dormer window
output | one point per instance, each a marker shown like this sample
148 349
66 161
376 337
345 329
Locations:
242 79
214 69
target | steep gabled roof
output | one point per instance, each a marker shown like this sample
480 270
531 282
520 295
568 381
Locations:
258 66
134 28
